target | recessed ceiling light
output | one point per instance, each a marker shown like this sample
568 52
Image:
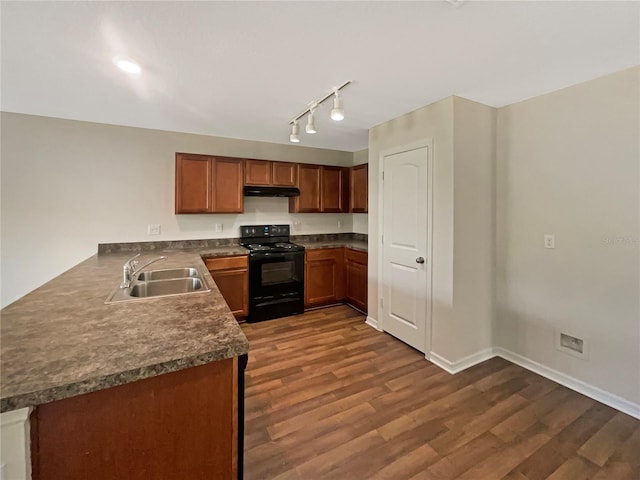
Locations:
126 64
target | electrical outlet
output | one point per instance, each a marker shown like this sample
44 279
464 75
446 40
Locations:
549 240
153 229
217 227
339 223
297 224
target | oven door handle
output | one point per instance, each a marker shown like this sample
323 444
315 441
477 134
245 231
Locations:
273 254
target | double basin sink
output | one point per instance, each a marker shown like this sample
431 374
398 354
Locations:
161 283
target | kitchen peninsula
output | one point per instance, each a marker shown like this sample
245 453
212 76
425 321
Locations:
152 388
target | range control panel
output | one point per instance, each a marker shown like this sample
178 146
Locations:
262 231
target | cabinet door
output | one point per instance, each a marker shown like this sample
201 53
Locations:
257 172
324 276
309 183
356 276
359 189
333 198
234 287
193 183
180 425
284 174
231 275
227 185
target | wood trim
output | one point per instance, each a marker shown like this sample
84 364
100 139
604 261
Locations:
235 419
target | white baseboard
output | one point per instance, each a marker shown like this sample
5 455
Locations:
372 322
619 403
463 363
591 391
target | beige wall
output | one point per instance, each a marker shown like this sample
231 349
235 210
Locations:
474 133
361 156
433 122
69 185
463 137
568 164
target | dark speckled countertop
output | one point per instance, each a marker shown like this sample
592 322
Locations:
352 244
61 340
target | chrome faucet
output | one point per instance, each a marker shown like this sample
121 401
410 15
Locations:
130 268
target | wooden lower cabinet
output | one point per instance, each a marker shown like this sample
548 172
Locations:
231 275
185 424
333 275
356 278
324 276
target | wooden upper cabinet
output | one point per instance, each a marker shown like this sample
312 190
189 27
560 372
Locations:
359 189
333 196
309 183
206 184
257 172
267 173
284 174
227 185
322 189
193 183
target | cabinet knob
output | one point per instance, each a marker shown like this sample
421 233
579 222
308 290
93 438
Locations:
420 260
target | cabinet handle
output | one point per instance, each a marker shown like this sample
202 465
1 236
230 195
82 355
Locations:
420 260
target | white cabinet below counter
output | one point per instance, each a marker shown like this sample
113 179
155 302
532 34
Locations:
15 457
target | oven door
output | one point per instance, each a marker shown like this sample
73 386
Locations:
272 274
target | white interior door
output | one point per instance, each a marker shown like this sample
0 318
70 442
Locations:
404 245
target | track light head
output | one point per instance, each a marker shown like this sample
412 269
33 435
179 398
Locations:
295 133
337 114
311 122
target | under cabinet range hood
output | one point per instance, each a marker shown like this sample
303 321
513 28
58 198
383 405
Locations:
250 191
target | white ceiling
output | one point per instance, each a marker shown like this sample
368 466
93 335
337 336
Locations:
244 69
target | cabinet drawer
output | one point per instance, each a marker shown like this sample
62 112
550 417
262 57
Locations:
356 256
323 254
224 263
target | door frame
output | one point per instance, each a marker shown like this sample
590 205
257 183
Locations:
423 143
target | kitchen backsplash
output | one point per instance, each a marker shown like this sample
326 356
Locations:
216 242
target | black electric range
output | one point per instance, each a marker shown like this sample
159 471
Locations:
276 272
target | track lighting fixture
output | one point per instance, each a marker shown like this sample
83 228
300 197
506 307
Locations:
295 133
311 122
337 113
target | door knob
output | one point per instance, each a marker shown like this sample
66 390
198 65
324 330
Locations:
420 260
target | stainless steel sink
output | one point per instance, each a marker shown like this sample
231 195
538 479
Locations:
161 283
162 288
152 275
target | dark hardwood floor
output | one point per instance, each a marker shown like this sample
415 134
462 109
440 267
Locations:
328 397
